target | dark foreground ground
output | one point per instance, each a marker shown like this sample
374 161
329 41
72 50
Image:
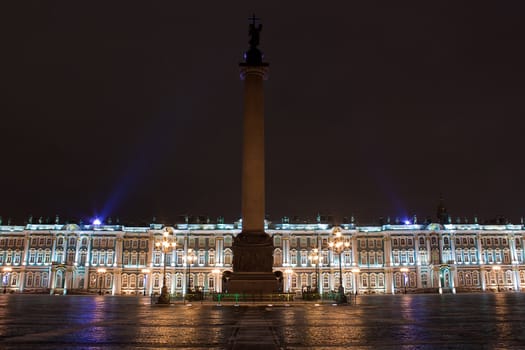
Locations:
462 321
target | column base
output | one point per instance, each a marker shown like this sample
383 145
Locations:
253 283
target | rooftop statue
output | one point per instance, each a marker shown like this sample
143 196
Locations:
253 56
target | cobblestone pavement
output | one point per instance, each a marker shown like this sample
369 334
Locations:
462 321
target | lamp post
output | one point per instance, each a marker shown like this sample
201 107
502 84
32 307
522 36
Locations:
145 272
166 245
404 270
5 278
101 271
338 244
190 258
496 270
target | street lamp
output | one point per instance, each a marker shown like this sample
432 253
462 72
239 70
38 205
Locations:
404 270
145 272
165 246
190 258
101 271
5 279
338 244
496 270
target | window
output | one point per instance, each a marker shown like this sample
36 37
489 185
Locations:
211 257
142 258
326 282
364 280
157 257
110 258
124 281
227 258
201 258
32 256
70 257
40 257
381 280
277 258
94 257
364 258
395 254
421 241
134 258
134 244
72 241
304 257
379 258
83 255
143 243
293 257
459 256
473 258
47 257
372 258
373 280
125 258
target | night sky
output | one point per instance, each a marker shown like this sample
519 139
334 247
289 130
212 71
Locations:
373 108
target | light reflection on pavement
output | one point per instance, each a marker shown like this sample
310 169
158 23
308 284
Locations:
429 321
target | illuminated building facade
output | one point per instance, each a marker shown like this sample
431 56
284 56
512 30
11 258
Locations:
121 260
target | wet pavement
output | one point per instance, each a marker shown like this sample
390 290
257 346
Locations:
462 321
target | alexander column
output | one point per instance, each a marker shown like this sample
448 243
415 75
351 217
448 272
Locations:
253 248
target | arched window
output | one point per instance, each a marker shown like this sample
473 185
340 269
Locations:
227 257
461 280
45 279
38 280
29 279
107 283
326 281
475 278
133 281
508 277
373 280
468 279
364 260
125 281
364 280
59 279
293 257
381 280
398 280
83 255
412 279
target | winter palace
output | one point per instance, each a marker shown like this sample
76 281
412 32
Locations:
388 258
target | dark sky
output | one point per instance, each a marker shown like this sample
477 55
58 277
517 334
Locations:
373 108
